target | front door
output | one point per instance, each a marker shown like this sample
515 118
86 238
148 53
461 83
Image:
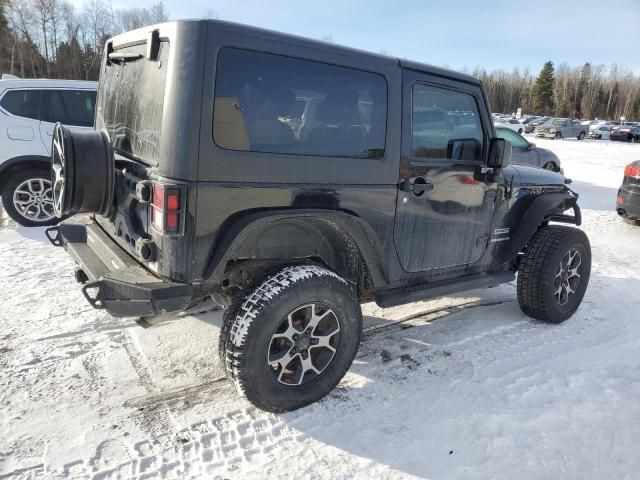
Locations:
445 204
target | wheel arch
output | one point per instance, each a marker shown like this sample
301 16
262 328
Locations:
22 162
341 241
544 208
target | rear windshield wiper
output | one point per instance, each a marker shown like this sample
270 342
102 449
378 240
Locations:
124 56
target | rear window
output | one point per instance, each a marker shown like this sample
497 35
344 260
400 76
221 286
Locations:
70 107
277 104
23 103
131 102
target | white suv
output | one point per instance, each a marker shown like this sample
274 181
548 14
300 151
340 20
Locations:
28 111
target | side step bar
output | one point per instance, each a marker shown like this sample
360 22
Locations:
428 291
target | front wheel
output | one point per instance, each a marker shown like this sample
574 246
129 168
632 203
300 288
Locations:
28 198
581 136
554 273
558 136
293 338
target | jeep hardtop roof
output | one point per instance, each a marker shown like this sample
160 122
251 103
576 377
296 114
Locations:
135 36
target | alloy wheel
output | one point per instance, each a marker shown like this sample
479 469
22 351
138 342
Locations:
567 277
304 344
33 199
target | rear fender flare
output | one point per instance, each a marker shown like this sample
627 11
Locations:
342 241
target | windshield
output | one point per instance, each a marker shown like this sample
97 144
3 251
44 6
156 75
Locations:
131 101
557 121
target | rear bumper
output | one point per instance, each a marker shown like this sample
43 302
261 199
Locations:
628 204
112 279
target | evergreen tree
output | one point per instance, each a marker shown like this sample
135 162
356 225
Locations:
543 90
583 86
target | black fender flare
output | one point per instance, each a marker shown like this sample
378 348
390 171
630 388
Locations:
262 234
23 161
544 208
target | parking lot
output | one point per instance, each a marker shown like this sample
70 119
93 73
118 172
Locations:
461 387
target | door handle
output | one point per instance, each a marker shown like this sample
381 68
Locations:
416 185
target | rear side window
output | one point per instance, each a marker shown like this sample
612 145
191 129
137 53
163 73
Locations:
70 107
445 125
23 103
513 138
276 104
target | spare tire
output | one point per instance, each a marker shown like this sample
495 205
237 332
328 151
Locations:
82 167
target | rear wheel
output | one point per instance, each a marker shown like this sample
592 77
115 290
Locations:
293 338
28 198
581 136
554 273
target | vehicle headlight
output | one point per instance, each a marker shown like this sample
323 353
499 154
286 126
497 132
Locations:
552 130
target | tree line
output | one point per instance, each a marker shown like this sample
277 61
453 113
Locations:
589 92
51 38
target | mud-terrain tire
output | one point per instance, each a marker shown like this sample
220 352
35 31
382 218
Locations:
548 288
22 180
281 328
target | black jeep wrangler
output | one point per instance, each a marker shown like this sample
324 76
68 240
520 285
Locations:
291 180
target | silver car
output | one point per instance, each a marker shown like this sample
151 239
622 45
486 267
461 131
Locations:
562 128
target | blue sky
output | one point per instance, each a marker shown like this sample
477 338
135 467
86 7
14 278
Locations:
495 34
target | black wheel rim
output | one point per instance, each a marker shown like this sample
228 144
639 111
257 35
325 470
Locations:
567 278
304 344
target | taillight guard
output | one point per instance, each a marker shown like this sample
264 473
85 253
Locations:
168 209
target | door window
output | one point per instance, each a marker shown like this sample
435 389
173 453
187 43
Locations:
22 103
513 138
445 125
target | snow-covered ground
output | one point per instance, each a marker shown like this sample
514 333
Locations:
465 387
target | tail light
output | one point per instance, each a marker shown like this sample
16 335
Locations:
167 209
632 171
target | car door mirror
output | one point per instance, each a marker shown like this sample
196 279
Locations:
499 153
530 145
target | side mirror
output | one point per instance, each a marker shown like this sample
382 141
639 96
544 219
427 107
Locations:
530 145
499 153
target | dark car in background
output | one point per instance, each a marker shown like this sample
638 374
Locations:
628 201
526 153
625 134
